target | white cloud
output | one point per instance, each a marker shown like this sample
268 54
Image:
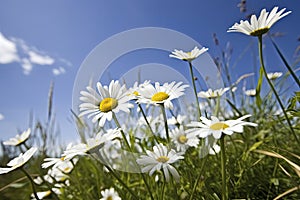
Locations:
1 117
58 71
17 50
39 59
26 65
8 51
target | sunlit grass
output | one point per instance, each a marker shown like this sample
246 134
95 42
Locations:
258 158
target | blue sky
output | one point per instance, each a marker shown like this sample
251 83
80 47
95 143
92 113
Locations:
46 41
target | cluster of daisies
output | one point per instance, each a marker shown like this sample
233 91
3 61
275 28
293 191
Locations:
104 103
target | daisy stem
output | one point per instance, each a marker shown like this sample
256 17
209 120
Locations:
198 178
129 148
217 108
148 124
121 181
31 182
163 188
195 91
122 132
273 88
223 168
25 145
163 110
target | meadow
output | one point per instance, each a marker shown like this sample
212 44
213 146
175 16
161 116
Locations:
145 141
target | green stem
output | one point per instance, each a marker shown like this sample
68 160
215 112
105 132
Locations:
25 145
223 168
148 124
195 91
122 132
163 188
198 178
121 181
286 63
273 89
130 149
31 182
217 108
165 121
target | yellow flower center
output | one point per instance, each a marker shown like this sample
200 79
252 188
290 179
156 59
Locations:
219 126
136 93
162 159
63 158
260 31
160 96
109 198
182 139
108 104
67 169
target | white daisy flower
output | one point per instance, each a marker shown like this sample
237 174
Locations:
209 147
188 56
44 194
59 173
183 140
134 90
41 195
216 127
111 99
260 26
92 145
275 75
178 120
110 194
55 161
19 161
250 92
159 159
19 139
211 94
162 94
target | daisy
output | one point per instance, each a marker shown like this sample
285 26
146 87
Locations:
260 26
250 92
211 94
55 161
159 159
215 127
19 139
183 140
178 120
188 56
275 75
209 147
110 194
111 99
59 173
41 195
162 94
92 145
134 90
19 161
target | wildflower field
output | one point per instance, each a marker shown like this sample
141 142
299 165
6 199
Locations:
150 141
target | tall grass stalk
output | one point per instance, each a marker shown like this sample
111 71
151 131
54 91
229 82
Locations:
31 182
194 89
262 68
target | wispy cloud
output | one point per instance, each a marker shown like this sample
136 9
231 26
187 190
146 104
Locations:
58 71
1 117
8 51
40 59
17 50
